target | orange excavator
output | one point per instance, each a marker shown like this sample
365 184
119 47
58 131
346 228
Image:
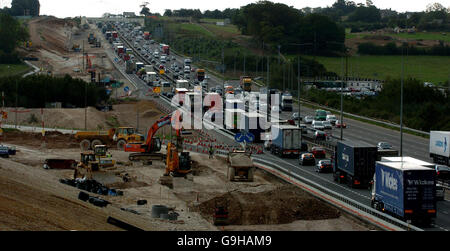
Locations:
150 148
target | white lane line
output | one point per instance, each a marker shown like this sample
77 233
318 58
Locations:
327 181
437 226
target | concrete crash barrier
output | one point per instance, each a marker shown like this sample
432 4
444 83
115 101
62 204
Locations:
121 224
157 210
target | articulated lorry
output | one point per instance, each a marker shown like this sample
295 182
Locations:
405 190
439 147
286 102
354 163
285 140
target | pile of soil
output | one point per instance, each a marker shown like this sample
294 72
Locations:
52 139
279 206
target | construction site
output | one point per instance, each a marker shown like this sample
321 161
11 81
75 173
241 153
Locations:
34 198
123 169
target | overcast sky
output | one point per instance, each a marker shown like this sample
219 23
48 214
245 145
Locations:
95 8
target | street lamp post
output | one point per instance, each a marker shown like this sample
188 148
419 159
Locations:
299 86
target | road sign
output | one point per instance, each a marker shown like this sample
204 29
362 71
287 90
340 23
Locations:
126 89
244 137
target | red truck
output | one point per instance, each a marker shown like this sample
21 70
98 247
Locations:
147 35
166 49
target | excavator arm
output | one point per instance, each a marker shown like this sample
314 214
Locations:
148 146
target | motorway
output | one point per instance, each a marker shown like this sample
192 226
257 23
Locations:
413 146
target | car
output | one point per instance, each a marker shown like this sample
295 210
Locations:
308 119
295 116
175 75
306 159
318 152
320 135
324 166
442 173
384 146
327 124
340 124
303 128
4 151
332 119
156 54
187 76
440 192
187 69
318 125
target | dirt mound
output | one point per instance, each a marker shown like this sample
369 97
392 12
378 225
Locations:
52 139
279 206
150 114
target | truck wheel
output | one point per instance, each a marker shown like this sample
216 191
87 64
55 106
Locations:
96 142
85 144
121 144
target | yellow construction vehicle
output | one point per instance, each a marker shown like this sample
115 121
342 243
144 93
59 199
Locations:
240 166
119 136
92 161
177 164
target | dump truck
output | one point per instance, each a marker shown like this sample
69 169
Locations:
405 190
354 163
439 147
240 166
114 136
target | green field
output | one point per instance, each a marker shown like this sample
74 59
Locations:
426 68
13 69
223 31
187 28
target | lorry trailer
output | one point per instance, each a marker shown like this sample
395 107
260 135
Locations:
439 147
405 190
354 163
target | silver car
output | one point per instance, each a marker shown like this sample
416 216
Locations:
308 119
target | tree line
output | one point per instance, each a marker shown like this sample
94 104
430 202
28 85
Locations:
367 17
12 33
23 8
392 49
35 91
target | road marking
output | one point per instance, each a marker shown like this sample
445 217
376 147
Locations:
333 183
437 226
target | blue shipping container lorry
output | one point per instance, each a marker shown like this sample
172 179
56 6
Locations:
354 163
404 190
